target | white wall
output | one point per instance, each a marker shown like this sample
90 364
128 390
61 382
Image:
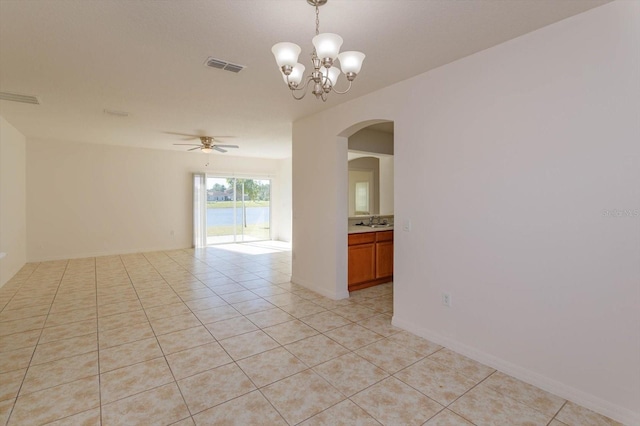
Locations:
387 175
88 199
505 162
367 140
13 226
282 201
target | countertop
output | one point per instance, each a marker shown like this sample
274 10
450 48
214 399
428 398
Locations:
357 229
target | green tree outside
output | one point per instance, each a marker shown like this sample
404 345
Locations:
256 191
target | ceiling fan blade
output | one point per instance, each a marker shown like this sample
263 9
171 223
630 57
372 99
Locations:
188 144
183 134
217 148
196 136
193 149
228 146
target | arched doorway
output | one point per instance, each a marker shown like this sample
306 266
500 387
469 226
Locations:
370 212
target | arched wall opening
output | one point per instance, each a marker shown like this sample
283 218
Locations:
342 141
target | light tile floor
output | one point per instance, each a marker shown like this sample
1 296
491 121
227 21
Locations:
221 336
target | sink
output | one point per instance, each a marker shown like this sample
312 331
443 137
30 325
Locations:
388 225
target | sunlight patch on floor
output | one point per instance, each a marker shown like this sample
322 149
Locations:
262 247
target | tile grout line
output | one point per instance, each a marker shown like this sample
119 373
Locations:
225 351
558 412
203 325
100 403
236 361
164 355
26 370
35 348
95 265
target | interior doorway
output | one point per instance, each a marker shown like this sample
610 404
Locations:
370 253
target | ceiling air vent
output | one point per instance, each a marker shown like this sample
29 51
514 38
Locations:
223 65
16 97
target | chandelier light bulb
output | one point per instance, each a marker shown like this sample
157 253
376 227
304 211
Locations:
333 73
286 54
297 73
351 61
327 45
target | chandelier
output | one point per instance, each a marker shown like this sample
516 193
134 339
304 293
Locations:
326 49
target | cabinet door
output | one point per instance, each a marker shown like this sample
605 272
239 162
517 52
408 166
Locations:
362 260
384 259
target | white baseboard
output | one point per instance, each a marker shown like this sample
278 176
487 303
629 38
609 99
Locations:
562 390
311 286
104 253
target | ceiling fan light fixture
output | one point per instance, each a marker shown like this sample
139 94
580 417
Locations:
207 143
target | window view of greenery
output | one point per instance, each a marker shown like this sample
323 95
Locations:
238 210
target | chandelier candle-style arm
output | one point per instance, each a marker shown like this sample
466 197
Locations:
343 92
326 52
294 78
295 88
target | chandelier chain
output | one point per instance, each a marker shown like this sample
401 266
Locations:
317 19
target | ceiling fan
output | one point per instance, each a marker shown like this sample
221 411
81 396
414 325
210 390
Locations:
207 144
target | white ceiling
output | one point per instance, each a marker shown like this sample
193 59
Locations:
146 57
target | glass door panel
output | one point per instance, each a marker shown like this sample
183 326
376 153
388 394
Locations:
221 226
238 210
256 214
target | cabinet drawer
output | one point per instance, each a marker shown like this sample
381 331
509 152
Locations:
384 236
364 238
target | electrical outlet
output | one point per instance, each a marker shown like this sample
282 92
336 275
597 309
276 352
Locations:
446 299
406 225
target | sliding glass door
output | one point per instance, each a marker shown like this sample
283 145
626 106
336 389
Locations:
254 209
237 210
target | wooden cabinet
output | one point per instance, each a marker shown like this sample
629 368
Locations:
362 263
384 259
370 259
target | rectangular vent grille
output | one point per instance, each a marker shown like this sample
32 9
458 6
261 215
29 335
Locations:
223 65
16 97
